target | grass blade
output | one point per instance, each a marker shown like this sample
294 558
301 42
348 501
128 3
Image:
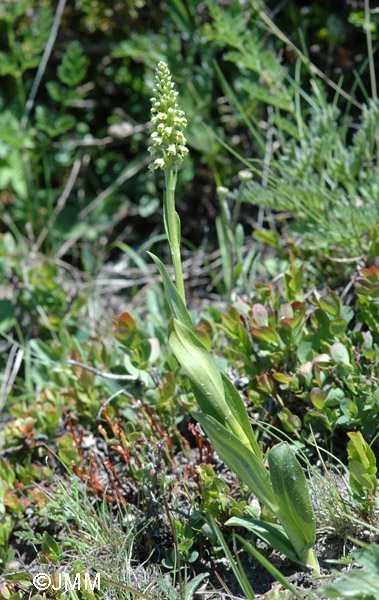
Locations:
239 573
276 574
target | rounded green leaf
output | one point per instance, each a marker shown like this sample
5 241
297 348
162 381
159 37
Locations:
338 326
260 314
331 304
340 354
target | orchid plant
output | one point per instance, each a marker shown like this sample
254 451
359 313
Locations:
283 488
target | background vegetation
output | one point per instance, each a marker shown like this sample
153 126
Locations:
102 465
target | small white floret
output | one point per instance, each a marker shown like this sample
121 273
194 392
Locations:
159 163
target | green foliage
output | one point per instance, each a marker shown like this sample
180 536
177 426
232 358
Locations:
6 523
185 540
357 583
50 124
74 65
230 234
367 286
71 73
25 53
291 491
177 306
312 165
235 564
142 352
323 182
362 467
114 407
306 362
214 498
224 417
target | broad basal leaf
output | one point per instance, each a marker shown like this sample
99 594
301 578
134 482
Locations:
203 372
292 495
240 459
272 534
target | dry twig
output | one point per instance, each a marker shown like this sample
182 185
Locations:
114 376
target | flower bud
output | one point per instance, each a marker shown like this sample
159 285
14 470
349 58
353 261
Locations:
245 175
222 190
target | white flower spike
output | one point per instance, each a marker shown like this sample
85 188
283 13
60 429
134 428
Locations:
167 122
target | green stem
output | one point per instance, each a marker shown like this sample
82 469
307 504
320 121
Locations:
310 559
172 224
226 226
